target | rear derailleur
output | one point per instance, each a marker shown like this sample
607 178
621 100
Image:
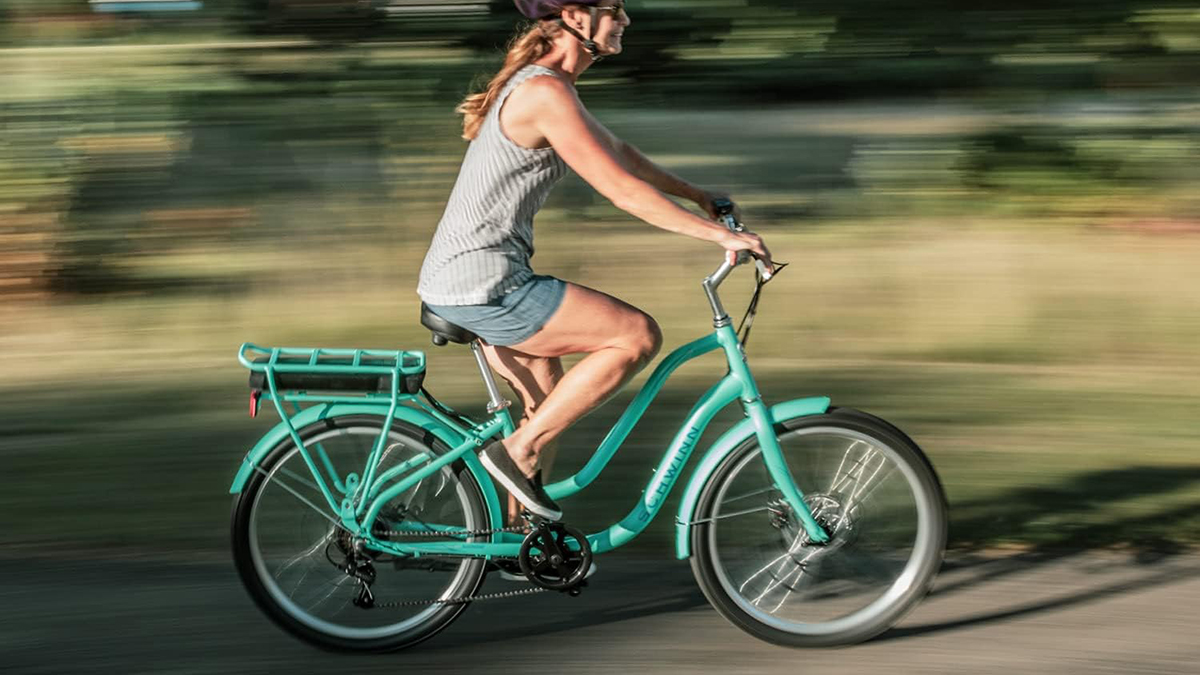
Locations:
358 565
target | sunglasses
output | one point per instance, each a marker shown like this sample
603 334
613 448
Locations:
615 8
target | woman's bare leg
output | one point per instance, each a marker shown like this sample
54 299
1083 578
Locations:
531 379
619 340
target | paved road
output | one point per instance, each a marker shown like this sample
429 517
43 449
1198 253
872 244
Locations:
1017 614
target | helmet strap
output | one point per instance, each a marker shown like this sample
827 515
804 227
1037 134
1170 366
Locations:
588 43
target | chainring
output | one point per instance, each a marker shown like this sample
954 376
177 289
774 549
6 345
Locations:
551 561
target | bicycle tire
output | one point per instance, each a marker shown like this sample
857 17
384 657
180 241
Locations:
267 592
800 571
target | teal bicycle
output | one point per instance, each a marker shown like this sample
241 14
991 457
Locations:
364 520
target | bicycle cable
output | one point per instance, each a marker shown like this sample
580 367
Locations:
446 410
747 321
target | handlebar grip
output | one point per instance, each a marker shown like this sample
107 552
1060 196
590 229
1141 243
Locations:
762 269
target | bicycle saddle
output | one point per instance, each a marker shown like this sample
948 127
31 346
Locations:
443 330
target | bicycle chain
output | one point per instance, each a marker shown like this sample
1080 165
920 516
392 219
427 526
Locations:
459 601
455 533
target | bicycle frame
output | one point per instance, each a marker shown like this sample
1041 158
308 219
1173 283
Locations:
364 499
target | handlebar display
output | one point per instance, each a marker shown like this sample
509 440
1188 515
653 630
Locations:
724 209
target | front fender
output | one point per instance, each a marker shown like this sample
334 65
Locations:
719 450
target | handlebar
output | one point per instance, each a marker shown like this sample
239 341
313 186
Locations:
724 209
725 213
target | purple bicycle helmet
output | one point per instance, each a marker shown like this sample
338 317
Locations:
550 9
545 9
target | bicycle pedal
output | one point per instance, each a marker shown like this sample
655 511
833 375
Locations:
532 519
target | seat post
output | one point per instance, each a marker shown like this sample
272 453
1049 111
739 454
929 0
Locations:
496 403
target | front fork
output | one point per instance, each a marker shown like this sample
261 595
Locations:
764 428
773 457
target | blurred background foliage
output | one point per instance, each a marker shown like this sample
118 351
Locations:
992 207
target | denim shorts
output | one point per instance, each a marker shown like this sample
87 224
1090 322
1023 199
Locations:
512 318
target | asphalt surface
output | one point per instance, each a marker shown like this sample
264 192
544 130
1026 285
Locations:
1023 614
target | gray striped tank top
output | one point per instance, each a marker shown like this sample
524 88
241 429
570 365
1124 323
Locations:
484 241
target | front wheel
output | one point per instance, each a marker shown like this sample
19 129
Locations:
869 486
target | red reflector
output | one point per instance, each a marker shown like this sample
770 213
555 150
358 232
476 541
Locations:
254 402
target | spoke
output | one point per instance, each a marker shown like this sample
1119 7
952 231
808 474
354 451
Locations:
856 501
730 515
781 559
852 474
854 477
333 588
750 494
866 462
846 453
302 498
441 486
297 553
800 573
317 546
387 451
857 496
300 479
412 494
296 586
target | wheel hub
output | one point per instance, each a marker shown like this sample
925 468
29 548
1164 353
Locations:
826 509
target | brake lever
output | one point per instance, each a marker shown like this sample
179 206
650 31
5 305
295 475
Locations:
762 270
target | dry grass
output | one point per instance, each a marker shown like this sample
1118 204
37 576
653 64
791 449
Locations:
1051 377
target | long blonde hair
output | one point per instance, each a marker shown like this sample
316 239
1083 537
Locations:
526 47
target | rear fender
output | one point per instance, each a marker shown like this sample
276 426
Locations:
414 416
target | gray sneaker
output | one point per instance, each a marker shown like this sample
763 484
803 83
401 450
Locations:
528 491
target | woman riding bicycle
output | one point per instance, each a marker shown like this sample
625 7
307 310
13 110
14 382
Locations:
526 129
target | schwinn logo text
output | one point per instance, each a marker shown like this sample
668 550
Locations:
664 482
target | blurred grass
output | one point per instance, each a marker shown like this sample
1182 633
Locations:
1011 278
1051 378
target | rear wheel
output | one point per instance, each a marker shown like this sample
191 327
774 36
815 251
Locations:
307 573
868 485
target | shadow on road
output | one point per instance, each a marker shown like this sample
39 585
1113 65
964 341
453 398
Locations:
1009 516
617 606
1171 575
1061 516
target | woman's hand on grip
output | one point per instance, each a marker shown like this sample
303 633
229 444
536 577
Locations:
751 243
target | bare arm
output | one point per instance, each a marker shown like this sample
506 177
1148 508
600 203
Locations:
641 166
586 147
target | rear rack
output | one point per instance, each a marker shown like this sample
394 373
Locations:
382 379
290 373
332 361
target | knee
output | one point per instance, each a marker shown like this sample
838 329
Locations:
645 340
